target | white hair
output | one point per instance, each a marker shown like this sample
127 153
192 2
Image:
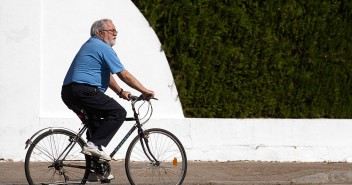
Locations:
98 25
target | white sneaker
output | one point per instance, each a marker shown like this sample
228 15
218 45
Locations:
110 177
94 151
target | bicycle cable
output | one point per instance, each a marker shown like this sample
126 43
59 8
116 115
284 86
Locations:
148 113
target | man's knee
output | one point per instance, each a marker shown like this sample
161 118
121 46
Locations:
123 114
119 114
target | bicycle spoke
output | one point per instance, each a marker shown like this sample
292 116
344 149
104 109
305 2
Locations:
42 165
165 147
43 150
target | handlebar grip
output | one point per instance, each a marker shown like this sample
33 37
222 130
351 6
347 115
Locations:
132 97
137 98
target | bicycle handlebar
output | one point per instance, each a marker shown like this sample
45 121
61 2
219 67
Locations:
134 99
138 98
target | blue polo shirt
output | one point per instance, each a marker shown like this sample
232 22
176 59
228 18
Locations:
93 64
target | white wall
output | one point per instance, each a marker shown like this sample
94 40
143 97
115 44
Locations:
66 26
38 40
279 140
20 29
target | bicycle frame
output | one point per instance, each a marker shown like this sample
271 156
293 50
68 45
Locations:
84 118
59 149
141 133
73 142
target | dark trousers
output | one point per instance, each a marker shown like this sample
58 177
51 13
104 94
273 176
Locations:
110 114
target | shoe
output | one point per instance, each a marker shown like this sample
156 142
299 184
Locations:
94 151
110 177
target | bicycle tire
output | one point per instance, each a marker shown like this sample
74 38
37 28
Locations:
42 166
167 149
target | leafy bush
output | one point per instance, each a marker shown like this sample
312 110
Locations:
253 59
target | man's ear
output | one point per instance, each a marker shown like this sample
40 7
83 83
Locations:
100 34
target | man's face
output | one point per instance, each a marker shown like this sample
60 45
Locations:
108 35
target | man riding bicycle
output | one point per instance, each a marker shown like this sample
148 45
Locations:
86 81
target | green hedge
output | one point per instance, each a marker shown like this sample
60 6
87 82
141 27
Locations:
253 59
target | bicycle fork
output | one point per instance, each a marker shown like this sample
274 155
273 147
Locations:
144 139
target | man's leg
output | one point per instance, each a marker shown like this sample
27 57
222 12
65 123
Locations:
104 129
96 102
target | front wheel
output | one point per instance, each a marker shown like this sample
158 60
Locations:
170 167
55 158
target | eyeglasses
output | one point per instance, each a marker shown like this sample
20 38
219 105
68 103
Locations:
113 31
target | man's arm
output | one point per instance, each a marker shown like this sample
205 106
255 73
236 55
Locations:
117 89
131 81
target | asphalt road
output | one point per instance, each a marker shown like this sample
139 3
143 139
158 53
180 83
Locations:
221 173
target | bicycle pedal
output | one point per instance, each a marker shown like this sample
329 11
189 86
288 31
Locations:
105 179
92 177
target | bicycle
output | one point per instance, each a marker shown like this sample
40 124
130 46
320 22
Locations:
154 156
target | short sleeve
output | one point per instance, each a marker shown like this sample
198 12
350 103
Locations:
112 61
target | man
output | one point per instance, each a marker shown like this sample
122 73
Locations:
89 76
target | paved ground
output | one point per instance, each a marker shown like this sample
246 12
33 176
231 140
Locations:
226 173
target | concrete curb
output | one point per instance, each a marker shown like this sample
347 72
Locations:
335 177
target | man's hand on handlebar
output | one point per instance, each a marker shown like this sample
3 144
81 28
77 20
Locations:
148 95
125 95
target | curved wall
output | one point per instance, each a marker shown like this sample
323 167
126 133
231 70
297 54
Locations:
39 39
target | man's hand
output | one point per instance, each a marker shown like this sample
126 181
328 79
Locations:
148 94
125 94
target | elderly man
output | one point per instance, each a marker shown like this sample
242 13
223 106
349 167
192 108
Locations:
86 81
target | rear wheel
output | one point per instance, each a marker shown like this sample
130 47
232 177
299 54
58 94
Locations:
44 163
170 167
